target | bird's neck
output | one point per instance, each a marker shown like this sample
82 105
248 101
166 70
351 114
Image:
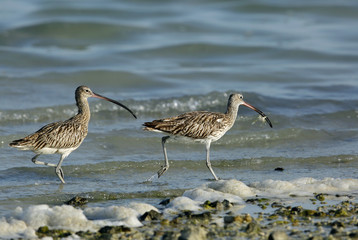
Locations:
83 109
231 111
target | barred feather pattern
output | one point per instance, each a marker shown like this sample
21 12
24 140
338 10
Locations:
196 125
200 126
59 135
63 135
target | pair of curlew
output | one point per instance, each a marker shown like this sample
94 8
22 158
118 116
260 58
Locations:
66 136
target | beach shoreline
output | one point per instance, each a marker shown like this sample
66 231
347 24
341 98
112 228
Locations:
217 220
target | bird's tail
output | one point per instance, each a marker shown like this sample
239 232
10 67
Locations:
148 125
22 144
157 126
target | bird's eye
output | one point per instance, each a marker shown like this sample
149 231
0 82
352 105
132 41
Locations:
241 97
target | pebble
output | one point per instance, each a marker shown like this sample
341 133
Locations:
278 235
77 201
193 233
281 223
165 202
253 228
150 216
279 169
114 229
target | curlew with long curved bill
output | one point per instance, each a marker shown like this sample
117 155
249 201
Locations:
65 136
200 126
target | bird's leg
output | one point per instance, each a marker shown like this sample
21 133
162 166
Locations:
208 164
41 163
166 164
59 171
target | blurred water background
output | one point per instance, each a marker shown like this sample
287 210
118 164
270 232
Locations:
297 61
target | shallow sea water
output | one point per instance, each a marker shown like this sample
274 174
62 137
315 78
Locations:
297 62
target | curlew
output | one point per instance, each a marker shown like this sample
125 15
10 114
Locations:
200 126
65 136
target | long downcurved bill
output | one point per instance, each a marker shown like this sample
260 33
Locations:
113 101
259 112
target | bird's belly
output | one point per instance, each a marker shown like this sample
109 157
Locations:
212 137
184 139
61 151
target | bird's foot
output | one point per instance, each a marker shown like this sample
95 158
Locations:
59 173
162 170
216 178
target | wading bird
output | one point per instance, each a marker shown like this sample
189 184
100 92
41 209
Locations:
200 126
62 137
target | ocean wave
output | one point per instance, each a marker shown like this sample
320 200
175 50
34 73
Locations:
281 109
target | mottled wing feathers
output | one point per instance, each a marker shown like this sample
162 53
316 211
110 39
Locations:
66 134
197 125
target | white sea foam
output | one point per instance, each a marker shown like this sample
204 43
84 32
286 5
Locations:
64 216
201 195
184 203
23 223
234 187
218 191
305 186
121 215
231 190
142 208
13 228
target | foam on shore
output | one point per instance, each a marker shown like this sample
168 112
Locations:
23 223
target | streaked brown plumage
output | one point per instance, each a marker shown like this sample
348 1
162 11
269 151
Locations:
200 126
196 125
65 136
